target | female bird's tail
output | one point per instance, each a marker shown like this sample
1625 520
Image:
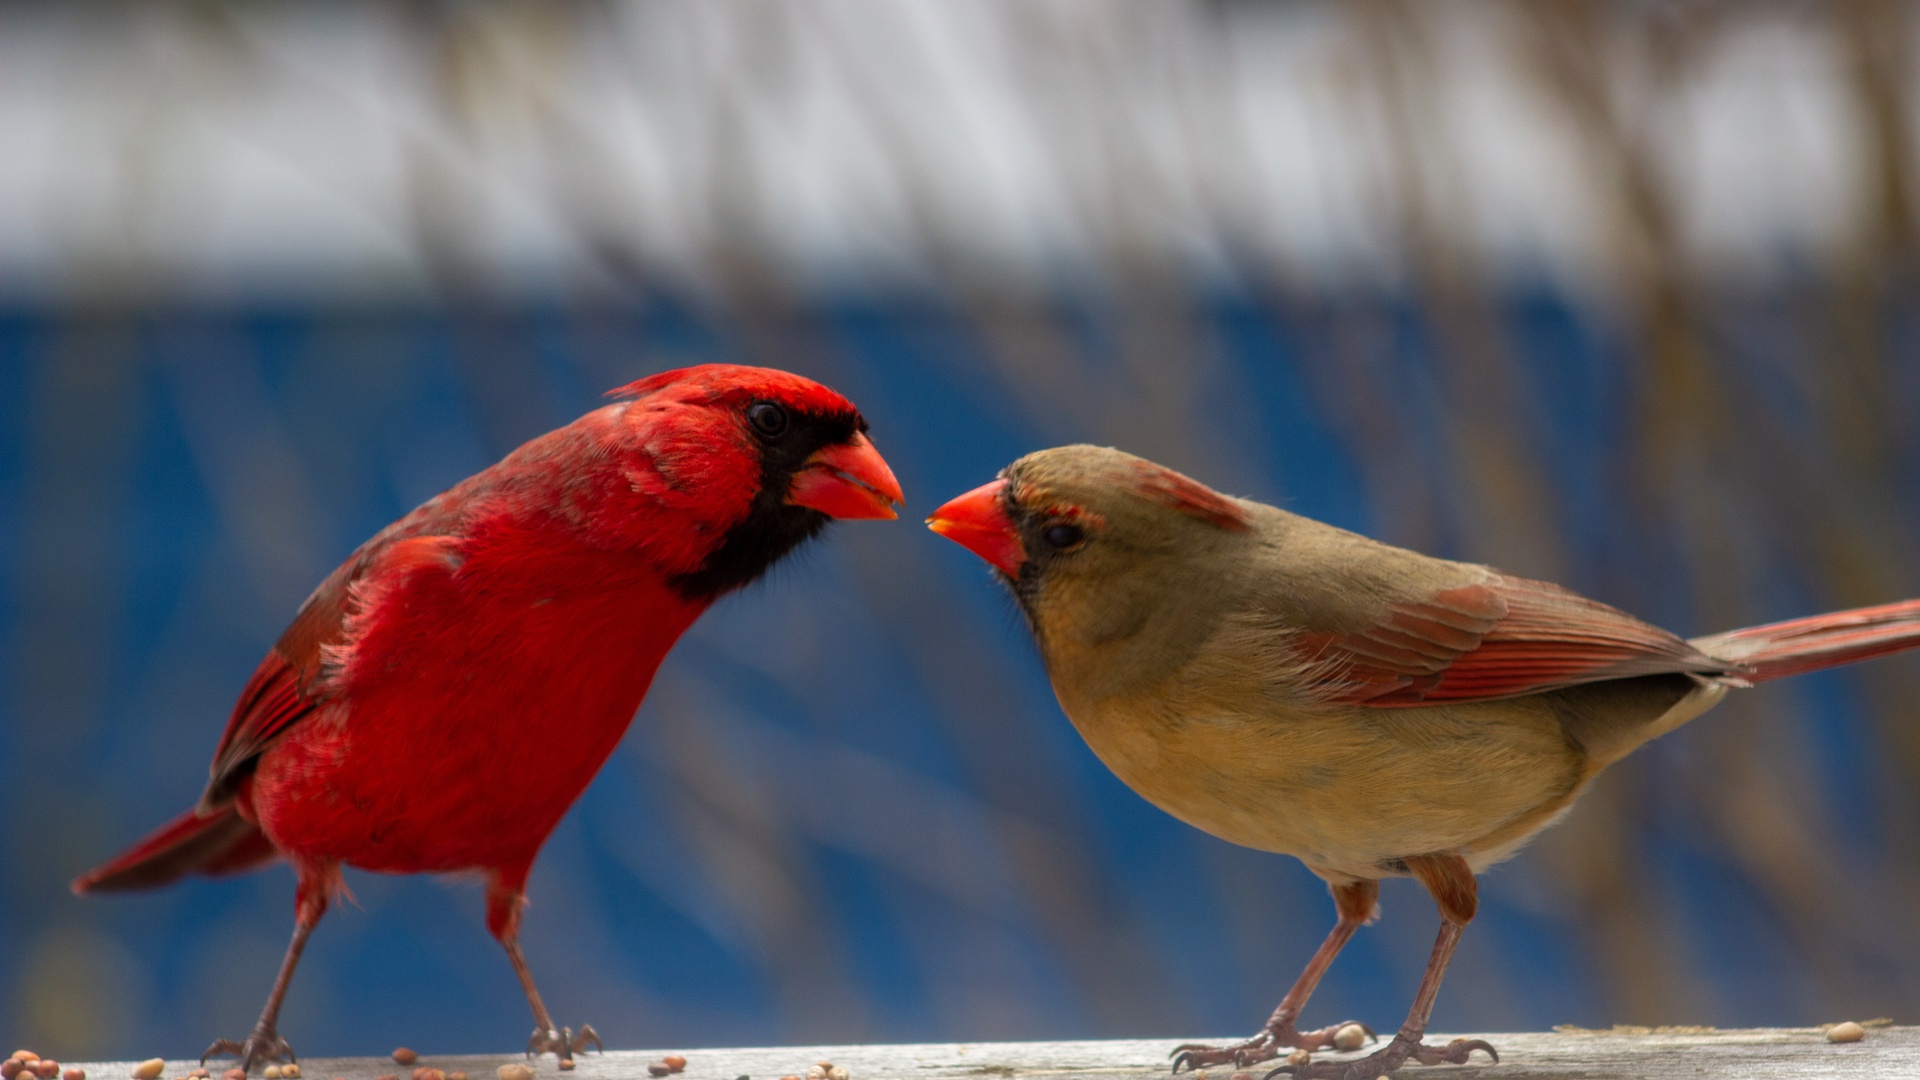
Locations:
220 842
1819 641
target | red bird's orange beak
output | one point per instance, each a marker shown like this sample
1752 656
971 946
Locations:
978 521
847 480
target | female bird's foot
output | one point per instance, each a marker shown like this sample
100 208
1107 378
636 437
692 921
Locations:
1386 1059
1262 1047
565 1042
263 1046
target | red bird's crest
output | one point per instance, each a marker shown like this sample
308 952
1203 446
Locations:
738 382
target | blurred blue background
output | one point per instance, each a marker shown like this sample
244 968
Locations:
1618 295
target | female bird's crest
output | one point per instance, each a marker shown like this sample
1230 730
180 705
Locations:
1089 478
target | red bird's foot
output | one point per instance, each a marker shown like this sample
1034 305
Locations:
1386 1059
1262 1047
565 1043
263 1046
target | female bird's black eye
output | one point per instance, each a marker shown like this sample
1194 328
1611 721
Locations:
1062 537
767 418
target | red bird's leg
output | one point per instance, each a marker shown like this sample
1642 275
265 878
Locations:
1450 880
1357 902
265 1044
506 896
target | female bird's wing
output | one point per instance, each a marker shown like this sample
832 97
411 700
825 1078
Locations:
1500 637
289 683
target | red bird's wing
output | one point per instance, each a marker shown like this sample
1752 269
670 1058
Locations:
1500 638
285 688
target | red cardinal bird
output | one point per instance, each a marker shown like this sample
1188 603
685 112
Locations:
1374 712
446 694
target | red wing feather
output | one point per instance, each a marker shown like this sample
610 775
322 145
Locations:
1502 638
275 699
283 689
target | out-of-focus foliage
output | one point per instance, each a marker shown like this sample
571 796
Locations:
1619 295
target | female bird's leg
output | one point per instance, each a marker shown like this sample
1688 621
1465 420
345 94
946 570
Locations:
1450 880
265 1044
1357 903
506 895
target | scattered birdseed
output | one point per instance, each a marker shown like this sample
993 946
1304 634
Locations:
1349 1037
514 1071
75 1073
1243 1076
272 1073
789 1076
201 1073
674 1062
429 1074
404 1056
838 1072
149 1069
817 1072
456 1076
234 1074
46 1068
1846 1032
1300 1056
11 1068
657 1068
566 1064
289 1070
25 1055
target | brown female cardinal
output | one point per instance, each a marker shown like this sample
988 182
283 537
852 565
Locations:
1371 711
446 694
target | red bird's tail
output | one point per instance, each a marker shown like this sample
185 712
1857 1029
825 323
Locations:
221 842
1819 641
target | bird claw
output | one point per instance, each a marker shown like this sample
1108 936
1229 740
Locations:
1386 1060
1185 1056
1262 1047
1454 1053
1197 1056
262 1046
564 1043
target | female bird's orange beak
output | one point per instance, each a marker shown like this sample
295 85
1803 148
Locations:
978 521
847 480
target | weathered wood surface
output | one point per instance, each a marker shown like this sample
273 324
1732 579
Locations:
1801 1053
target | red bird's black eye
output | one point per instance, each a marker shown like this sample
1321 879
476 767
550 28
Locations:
1062 537
767 418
